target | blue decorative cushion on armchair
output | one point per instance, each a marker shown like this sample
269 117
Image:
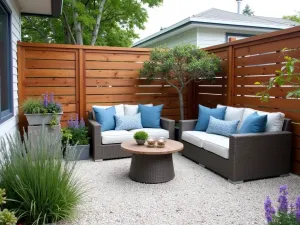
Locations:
254 124
150 115
204 115
106 118
222 127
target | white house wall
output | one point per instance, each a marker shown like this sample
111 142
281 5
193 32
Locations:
10 125
187 37
214 36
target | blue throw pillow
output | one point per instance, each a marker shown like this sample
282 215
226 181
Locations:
106 118
205 113
150 115
254 124
222 127
128 122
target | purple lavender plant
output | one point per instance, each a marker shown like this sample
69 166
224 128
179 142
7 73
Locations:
82 123
76 122
52 97
269 210
46 100
297 212
282 199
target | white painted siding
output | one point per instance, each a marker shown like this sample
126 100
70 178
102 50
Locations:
214 36
187 37
10 125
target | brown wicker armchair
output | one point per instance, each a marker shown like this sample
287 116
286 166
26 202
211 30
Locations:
102 151
251 156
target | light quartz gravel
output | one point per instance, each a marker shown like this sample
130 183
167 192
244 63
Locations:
195 196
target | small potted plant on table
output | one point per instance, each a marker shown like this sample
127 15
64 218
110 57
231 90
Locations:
76 134
140 137
44 112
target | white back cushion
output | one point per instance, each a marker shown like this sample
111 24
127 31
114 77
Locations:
233 113
119 109
131 110
275 120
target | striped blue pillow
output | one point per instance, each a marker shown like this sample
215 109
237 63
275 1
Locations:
128 122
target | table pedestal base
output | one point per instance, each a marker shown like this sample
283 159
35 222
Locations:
151 169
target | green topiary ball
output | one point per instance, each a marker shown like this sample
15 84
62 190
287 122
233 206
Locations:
140 135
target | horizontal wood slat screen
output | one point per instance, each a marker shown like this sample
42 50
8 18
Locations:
83 76
256 59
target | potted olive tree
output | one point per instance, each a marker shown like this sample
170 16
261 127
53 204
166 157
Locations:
38 112
179 66
76 135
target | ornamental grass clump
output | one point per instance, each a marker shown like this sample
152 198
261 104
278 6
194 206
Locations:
44 187
286 214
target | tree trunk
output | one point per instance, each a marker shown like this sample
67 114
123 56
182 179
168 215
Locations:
181 105
98 22
77 26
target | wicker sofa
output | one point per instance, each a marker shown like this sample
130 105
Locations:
102 149
246 156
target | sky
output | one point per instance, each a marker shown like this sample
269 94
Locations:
173 11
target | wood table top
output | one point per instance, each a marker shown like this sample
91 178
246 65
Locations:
170 147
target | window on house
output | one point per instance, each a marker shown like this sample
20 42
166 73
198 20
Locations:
5 64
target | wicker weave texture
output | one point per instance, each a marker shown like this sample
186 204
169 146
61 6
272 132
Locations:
151 169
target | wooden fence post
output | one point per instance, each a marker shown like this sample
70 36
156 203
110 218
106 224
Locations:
230 76
82 85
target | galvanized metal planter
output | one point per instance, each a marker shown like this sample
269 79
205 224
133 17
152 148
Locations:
82 152
40 119
140 141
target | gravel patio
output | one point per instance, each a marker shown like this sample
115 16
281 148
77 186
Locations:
195 196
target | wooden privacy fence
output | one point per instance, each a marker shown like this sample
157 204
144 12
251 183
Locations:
253 60
82 76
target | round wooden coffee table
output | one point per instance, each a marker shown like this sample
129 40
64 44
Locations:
152 165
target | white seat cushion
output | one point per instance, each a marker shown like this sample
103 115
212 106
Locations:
233 113
116 136
275 120
194 137
217 144
153 132
119 109
131 110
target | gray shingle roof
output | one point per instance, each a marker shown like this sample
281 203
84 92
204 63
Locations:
214 13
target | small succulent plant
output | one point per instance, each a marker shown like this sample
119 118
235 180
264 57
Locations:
140 135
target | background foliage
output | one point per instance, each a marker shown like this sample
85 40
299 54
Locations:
115 20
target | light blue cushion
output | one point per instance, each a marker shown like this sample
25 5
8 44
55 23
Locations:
128 122
106 118
150 115
205 113
222 127
254 124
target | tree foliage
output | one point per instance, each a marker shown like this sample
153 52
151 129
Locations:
295 17
287 75
179 66
248 11
90 22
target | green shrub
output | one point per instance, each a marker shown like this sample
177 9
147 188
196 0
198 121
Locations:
6 217
75 136
34 174
32 106
140 135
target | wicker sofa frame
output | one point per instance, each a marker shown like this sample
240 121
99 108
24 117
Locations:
251 156
112 151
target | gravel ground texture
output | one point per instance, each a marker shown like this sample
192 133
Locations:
195 196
